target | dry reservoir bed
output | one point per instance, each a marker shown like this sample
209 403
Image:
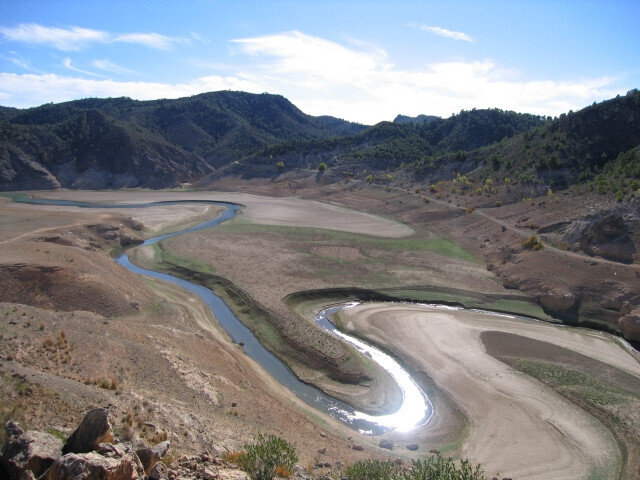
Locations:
517 426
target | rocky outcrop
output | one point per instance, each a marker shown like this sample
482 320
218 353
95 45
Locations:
30 455
609 238
93 430
93 466
608 234
28 451
630 325
151 456
558 300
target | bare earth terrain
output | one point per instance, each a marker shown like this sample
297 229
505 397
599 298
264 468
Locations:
516 425
77 330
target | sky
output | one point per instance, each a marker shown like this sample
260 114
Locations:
363 61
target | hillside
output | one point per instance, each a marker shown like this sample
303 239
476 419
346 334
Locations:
388 145
596 146
119 142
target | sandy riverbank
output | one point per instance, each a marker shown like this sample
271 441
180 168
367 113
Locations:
517 427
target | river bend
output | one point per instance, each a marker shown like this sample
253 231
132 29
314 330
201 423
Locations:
415 410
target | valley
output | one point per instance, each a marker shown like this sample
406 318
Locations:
492 254
276 265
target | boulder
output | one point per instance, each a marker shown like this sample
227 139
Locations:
630 325
150 456
159 472
93 466
357 447
412 446
558 300
388 444
93 430
28 451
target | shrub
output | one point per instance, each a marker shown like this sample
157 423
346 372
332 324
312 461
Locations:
322 167
280 166
532 243
432 468
369 178
498 203
267 457
373 469
470 210
439 468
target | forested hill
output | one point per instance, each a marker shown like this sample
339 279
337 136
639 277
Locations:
598 145
387 145
116 142
119 142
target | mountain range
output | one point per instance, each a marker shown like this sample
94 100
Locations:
120 142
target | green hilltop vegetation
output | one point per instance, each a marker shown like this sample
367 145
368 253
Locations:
388 145
598 146
119 142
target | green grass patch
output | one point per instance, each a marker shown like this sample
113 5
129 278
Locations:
520 307
572 382
324 237
163 254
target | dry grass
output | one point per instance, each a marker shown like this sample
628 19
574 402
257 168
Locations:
108 383
233 457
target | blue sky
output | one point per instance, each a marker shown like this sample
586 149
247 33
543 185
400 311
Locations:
364 61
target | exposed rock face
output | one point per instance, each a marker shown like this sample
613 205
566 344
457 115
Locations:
28 451
630 325
94 429
30 455
150 456
93 466
19 172
558 300
609 238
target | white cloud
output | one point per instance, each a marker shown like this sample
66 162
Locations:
63 39
153 40
320 62
67 63
326 78
75 38
443 32
109 66
323 77
17 60
29 89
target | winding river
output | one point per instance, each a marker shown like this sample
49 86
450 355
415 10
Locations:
415 410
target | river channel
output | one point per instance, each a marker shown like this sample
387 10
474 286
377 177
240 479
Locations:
415 410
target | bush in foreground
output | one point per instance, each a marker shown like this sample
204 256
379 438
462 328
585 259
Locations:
373 469
269 456
432 468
